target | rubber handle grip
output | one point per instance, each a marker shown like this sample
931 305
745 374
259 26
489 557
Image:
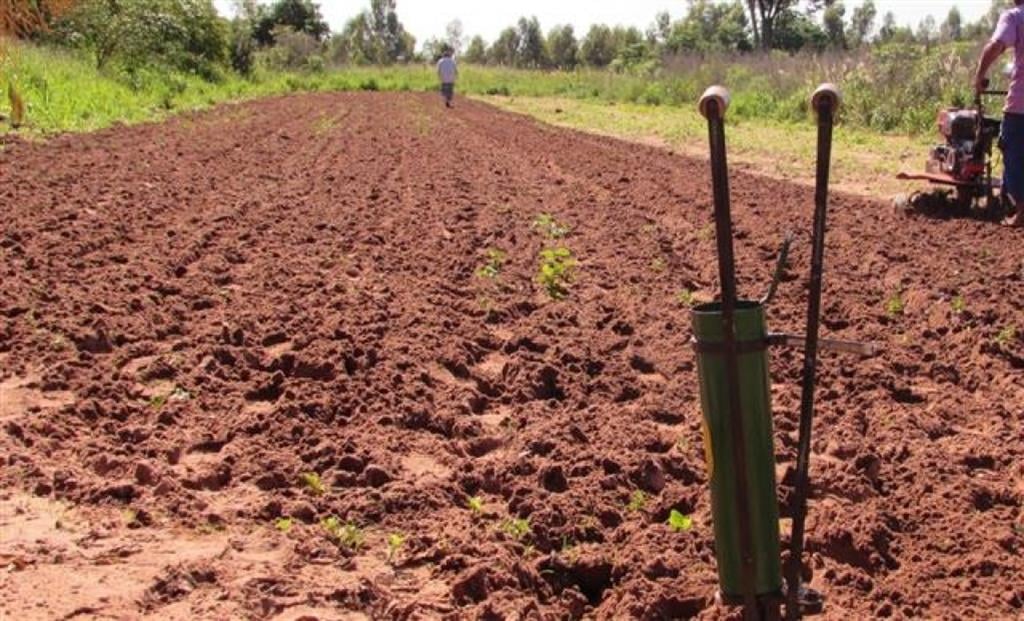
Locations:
826 94
718 94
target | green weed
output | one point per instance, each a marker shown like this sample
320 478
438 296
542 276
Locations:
958 304
555 272
895 305
1006 336
475 504
492 268
516 528
678 522
395 542
283 524
157 401
637 501
549 227
686 298
313 483
347 535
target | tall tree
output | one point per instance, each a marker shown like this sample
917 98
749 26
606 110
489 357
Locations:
377 36
598 47
453 36
563 47
862 22
505 49
835 27
953 28
477 51
765 16
299 15
532 49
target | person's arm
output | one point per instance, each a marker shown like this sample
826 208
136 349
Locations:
1004 37
992 52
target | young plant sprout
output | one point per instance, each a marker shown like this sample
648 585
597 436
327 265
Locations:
517 528
395 542
895 305
347 535
475 504
549 227
492 268
555 271
313 483
283 524
637 501
678 522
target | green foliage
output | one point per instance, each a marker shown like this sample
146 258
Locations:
549 227
555 272
346 535
678 522
686 298
376 36
517 528
958 305
184 35
492 268
475 504
1006 336
637 501
395 543
295 16
313 483
157 401
894 306
283 524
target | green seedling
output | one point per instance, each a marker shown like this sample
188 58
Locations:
686 298
347 535
637 501
517 528
549 227
1006 336
556 271
678 522
475 504
179 394
895 305
958 305
492 268
313 483
157 401
395 542
283 524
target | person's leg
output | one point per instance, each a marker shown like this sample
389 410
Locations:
447 90
1013 164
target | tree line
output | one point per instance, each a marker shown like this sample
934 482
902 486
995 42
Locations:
189 35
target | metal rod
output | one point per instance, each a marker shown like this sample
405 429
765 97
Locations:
713 105
799 341
825 102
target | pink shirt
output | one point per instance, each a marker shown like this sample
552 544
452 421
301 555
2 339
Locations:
1011 32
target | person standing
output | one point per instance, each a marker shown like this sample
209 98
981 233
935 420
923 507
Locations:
1009 34
448 73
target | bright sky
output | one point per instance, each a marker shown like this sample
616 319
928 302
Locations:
427 18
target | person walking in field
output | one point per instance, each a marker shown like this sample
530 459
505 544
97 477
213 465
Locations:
1009 34
447 72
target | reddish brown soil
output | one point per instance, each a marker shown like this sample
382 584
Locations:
196 313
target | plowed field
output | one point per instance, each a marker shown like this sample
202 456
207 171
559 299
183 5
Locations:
241 349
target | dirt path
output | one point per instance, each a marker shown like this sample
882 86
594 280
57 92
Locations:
196 314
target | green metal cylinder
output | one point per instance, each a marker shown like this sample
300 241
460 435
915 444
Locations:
755 404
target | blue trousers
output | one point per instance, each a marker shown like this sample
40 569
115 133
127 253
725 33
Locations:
1012 142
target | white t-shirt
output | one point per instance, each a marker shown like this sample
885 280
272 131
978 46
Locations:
446 70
